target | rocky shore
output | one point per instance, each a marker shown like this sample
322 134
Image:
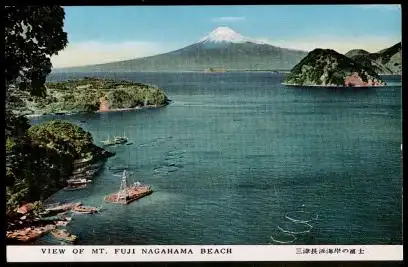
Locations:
32 221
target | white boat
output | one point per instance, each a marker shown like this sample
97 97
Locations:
78 181
109 142
120 139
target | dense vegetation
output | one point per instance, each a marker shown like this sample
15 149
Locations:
327 67
85 94
386 61
32 35
39 158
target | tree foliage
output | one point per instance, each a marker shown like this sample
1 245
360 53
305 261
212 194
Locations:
40 160
32 35
328 66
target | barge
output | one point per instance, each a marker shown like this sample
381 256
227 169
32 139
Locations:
128 194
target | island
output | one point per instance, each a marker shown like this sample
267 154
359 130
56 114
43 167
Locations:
327 68
88 95
215 70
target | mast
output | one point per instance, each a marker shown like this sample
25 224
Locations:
122 194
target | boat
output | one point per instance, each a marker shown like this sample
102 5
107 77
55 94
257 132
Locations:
129 144
83 160
75 187
78 181
64 235
109 142
84 210
63 207
128 194
120 139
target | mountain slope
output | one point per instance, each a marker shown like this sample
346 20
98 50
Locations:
386 61
221 49
326 67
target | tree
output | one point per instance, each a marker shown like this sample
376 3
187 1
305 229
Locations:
32 35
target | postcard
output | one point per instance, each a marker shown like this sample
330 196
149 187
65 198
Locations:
203 133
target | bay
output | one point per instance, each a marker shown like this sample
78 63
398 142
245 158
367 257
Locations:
238 158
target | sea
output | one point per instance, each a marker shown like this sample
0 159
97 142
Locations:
239 159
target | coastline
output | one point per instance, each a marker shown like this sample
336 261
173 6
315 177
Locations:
332 86
69 113
27 227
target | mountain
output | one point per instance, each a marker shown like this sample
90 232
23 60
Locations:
386 61
223 49
326 67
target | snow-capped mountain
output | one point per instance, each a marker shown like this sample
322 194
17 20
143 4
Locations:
227 35
223 48
223 34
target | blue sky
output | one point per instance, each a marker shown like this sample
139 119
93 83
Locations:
99 34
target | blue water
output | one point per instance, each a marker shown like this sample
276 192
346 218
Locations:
237 158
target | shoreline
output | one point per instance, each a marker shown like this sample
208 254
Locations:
70 113
333 86
34 226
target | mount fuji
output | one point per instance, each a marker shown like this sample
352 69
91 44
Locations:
222 48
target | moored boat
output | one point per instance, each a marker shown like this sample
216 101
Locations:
64 235
78 181
75 187
63 207
109 142
120 139
85 210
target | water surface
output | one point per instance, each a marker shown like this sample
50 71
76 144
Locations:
237 158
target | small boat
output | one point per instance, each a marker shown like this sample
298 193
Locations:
62 223
62 207
84 210
128 144
78 181
83 160
75 187
120 139
64 235
109 142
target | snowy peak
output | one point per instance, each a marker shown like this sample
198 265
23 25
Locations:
224 34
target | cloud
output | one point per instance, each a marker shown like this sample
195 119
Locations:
93 52
339 44
382 6
228 19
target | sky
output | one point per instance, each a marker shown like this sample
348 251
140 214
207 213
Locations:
101 34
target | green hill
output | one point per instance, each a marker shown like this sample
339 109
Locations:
326 67
87 95
386 61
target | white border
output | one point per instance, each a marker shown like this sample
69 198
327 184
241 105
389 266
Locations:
195 253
